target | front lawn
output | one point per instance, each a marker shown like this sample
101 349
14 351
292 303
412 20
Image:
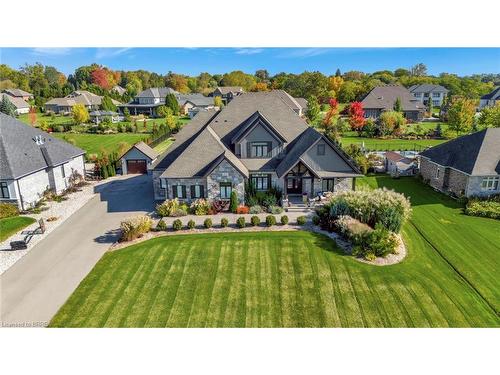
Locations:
12 225
376 144
96 143
270 279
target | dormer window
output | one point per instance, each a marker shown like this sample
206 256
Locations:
259 149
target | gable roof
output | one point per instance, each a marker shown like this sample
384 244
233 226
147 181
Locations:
156 92
494 95
393 156
252 122
302 102
84 97
17 92
384 97
224 90
18 102
428 88
120 90
475 154
198 100
289 100
21 155
144 149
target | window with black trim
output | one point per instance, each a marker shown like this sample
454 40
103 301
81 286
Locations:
261 181
321 149
259 149
179 191
4 190
225 190
163 183
197 191
328 184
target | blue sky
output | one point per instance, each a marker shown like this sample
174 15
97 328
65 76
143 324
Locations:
192 61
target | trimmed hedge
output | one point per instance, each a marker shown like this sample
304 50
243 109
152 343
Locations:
255 221
177 224
208 223
301 220
161 226
270 220
191 224
483 208
240 222
224 222
284 220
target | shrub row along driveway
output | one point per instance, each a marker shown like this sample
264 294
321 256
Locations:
269 279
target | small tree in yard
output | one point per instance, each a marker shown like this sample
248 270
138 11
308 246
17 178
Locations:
233 205
313 109
356 117
7 107
80 114
218 102
490 117
430 108
391 123
331 114
461 115
32 116
172 103
397 105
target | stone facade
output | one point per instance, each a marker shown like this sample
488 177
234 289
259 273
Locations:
342 184
225 172
445 179
186 182
159 193
429 173
457 182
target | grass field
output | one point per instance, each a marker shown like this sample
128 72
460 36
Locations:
162 147
299 279
58 120
96 143
377 144
11 225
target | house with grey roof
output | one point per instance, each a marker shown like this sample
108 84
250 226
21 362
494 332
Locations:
19 103
18 93
258 138
227 93
119 90
138 159
65 105
425 92
383 98
465 166
32 161
491 99
148 101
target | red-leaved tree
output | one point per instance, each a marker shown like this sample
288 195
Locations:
332 112
32 116
103 78
356 117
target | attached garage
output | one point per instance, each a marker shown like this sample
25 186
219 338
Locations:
138 159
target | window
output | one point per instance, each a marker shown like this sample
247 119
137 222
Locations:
179 191
418 94
321 149
426 95
261 181
259 149
436 95
4 189
225 190
197 191
489 183
63 172
163 183
437 173
328 184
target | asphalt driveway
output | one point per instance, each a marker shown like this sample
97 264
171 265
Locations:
34 288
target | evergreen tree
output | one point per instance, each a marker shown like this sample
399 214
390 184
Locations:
397 105
337 73
429 106
313 109
233 206
7 107
107 104
172 103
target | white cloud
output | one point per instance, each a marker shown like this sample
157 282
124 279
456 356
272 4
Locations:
50 51
305 52
104 53
249 51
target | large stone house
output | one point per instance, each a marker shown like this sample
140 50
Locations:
257 137
491 99
32 161
64 105
383 98
465 166
425 92
148 101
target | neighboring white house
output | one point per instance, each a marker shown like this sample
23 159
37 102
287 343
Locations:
138 159
426 92
32 161
399 165
491 99
21 105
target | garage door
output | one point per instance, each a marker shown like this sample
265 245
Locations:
136 166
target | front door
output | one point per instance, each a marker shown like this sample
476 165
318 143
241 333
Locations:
294 185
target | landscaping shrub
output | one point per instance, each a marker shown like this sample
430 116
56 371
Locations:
242 210
200 207
135 227
233 205
224 222
301 220
483 208
166 208
191 224
378 242
252 201
208 223
161 226
179 212
316 220
240 222
8 210
219 205
255 220
270 220
269 201
255 209
276 210
284 220
177 224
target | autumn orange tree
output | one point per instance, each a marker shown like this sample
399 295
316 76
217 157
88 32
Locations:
331 114
356 117
104 78
32 116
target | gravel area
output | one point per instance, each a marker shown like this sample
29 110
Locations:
61 211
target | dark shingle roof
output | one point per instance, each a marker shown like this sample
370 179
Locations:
224 90
145 149
21 155
17 92
494 95
475 154
384 97
428 88
198 100
156 92
16 101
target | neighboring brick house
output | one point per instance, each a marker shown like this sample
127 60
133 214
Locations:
257 137
465 166
490 99
383 98
32 161
425 92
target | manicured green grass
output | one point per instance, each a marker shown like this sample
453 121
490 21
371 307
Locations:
270 279
11 225
57 120
162 147
96 143
470 244
377 144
